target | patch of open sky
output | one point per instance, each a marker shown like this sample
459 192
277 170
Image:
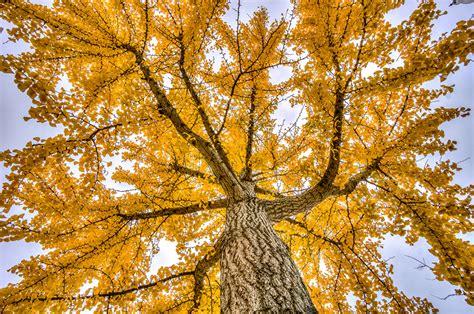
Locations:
397 16
64 83
466 236
47 3
461 129
287 115
14 106
323 267
423 282
369 70
217 58
9 47
14 131
453 15
167 81
73 166
280 74
10 255
351 299
86 289
151 45
14 134
166 257
113 162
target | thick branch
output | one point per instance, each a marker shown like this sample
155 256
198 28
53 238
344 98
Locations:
335 149
197 101
289 206
247 173
351 185
283 208
200 108
184 210
224 174
286 207
211 179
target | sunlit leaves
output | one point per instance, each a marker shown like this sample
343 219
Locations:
85 193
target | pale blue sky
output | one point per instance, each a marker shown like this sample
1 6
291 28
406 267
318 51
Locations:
15 132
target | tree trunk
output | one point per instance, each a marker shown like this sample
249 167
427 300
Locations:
257 272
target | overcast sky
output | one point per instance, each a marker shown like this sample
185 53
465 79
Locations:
15 132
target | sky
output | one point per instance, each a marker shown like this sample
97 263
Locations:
15 132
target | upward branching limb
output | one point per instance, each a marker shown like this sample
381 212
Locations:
289 206
224 174
286 207
336 142
212 179
247 172
200 108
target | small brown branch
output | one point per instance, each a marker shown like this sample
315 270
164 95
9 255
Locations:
310 231
184 210
106 294
191 172
422 264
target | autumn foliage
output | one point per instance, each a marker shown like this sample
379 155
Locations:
164 107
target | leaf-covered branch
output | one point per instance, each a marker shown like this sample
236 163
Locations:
183 210
286 207
225 175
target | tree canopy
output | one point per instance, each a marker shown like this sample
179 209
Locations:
166 112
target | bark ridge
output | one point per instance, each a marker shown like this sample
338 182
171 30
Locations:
257 272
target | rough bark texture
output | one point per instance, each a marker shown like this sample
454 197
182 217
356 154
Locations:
257 272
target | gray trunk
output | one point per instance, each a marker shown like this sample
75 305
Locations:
257 272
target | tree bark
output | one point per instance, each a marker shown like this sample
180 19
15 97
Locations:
257 272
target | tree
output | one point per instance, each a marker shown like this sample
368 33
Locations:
178 106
